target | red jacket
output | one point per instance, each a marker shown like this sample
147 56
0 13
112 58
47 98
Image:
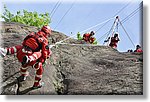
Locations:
138 50
114 41
88 38
92 39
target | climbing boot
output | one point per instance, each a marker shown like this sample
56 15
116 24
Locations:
38 86
22 78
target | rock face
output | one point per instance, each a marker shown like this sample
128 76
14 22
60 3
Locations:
73 68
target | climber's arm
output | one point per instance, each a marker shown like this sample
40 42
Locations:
10 50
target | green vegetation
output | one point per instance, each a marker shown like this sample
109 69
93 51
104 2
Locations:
79 36
95 42
27 18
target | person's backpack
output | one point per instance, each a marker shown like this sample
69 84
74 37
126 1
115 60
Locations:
33 42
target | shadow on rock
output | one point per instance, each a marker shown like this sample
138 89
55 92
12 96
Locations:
25 91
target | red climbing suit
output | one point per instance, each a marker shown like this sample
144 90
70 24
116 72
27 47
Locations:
92 39
35 47
88 38
138 50
113 42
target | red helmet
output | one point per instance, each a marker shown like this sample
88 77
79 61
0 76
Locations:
46 29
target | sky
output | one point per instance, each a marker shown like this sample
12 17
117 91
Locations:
85 14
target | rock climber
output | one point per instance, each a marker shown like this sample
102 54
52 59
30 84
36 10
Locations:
138 49
33 52
79 36
88 37
114 41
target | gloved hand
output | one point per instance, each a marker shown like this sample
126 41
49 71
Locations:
3 52
58 42
50 46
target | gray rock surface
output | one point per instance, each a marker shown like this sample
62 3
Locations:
73 68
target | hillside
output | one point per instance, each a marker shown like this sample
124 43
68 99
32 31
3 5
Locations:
73 68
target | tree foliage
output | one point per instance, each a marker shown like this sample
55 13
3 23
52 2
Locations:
26 17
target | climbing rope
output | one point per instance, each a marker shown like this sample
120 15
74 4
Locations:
116 14
55 8
111 30
127 34
123 21
101 27
97 25
132 14
80 32
65 14
80 44
115 26
123 7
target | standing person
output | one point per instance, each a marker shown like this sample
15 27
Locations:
79 36
33 52
88 37
138 49
114 41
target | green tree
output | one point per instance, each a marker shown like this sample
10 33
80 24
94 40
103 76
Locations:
26 17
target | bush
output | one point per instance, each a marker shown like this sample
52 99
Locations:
27 18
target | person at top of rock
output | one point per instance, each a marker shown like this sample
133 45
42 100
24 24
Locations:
138 49
88 37
114 40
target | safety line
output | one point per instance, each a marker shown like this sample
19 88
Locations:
101 27
64 15
59 42
131 14
97 25
126 33
108 33
94 27
123 8
103 36
124 20
84 30
91 27
55 9
79 44
115 14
